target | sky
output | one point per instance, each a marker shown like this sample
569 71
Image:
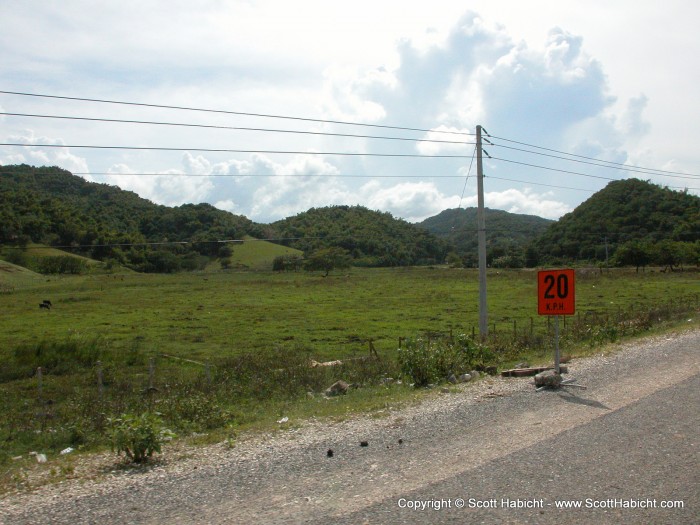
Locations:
384 98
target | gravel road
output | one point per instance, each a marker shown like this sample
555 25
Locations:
629 439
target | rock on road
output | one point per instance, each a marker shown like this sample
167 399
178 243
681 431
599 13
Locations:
491 452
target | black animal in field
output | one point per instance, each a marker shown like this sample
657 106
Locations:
45 304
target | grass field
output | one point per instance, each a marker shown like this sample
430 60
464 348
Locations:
259 331
210 315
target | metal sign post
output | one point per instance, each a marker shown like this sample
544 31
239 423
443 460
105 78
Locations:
556 296
557 355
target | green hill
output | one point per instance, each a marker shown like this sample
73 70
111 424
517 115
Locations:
625 213
48 205
372 238
507 234
254 254
13 276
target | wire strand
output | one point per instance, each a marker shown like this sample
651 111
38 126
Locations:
225 150
575 172
241 113
234 128
595 162
467 179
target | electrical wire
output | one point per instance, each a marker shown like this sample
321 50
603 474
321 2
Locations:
224 150
173 243
596 162
240 113
234 128
467 179
541 184
243 175
576 173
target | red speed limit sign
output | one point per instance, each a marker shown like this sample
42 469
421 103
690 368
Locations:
556 292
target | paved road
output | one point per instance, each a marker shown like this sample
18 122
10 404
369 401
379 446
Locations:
631 438
643 454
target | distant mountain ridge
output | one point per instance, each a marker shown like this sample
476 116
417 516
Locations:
48 205
372 238
507 234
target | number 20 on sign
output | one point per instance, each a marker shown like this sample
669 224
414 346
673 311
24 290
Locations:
556 292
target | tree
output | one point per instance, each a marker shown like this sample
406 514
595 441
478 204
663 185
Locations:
633 253
669 254
327 259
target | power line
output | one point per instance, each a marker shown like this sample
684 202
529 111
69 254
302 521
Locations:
233 128
467 179
541 184
224 150
242 175
575 172
240 113
172 243
596 162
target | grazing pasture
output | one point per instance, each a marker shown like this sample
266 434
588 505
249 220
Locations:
211 315
216 350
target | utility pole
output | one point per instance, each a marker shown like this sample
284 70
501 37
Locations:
481 231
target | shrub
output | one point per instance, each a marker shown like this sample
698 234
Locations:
138 437
431 361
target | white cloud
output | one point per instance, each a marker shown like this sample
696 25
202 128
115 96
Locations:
226 205
345 93
413 201
446 140
524 201
43 156
169 187
389 62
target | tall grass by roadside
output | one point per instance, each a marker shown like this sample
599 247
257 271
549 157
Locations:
81 385
84 383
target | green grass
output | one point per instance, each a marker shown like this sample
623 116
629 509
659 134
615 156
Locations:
13 276
211 315
259 330
254 254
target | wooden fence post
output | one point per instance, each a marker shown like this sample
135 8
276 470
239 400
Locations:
100 388
151 372
39 384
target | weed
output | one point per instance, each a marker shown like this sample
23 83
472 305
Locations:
138 436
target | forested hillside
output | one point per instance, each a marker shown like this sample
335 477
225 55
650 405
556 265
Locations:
507 234
372 238
51 206
630 216
629 222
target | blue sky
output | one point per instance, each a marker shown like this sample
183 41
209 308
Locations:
614 81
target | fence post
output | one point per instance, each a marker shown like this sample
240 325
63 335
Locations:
39 384
151 372
100 388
